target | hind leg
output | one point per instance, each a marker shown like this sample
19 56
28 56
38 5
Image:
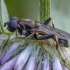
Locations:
62 42
48 20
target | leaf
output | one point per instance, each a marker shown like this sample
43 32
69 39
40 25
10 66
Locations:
4 17
3 12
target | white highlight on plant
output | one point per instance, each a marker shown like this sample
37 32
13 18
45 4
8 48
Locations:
64 68
31 63
56 64
23 57
46 64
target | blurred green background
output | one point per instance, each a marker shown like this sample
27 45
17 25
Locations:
23 8
60 11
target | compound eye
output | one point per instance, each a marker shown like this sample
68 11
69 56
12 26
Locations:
13 24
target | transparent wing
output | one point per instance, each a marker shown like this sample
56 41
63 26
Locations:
59 33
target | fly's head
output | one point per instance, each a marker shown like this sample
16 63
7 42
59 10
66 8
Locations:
12 24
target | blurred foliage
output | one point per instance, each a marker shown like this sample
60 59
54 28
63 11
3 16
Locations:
23 8
60 12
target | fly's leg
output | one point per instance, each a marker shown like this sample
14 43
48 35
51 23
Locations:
13 40
48 20
57 45
16 33
55 38
22 42
62 42
18 30
45 37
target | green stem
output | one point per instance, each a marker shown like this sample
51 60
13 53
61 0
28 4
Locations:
44 10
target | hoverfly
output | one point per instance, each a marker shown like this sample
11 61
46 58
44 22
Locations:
39 31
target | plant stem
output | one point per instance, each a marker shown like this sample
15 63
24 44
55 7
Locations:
44 10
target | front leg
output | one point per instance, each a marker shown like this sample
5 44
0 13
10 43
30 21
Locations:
14 39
